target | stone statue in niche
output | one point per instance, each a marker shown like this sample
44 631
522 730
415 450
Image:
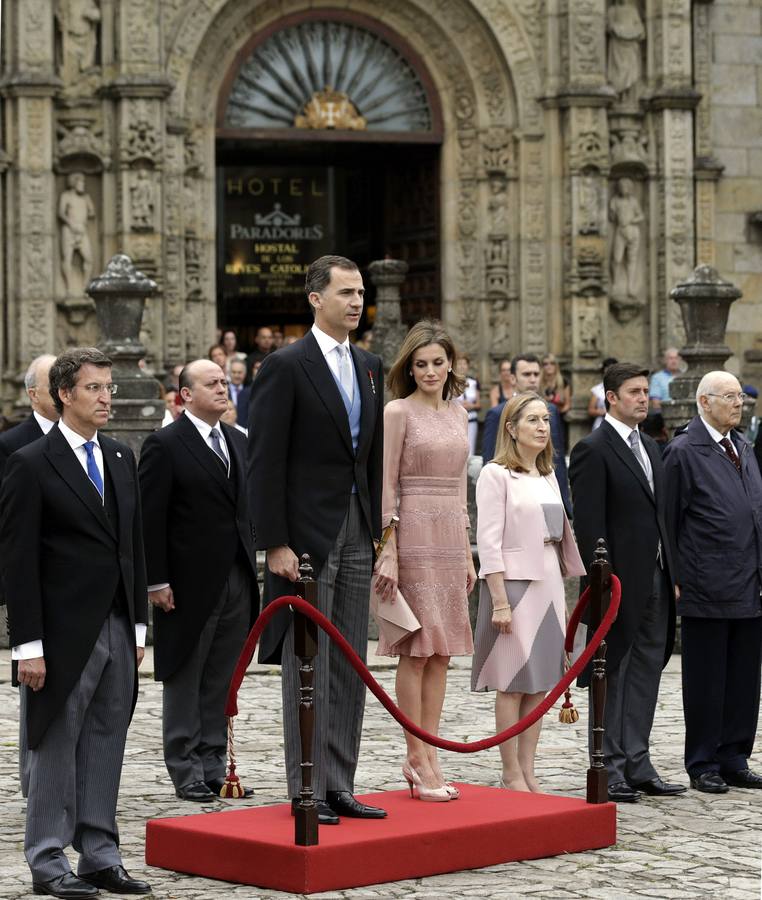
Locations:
497 206
589 328
142 202
626 216
75 210
626 33
79 24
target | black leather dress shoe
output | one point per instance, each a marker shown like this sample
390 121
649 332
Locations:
743 778
326 816
67 886
215 786
115 880
196 790
621 792
658 788
343 803
710 783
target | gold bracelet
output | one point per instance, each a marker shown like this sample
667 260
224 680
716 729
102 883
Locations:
496 608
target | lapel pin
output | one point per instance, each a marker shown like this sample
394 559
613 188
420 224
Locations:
119 454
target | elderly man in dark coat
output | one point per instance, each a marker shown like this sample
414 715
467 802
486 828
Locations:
715 506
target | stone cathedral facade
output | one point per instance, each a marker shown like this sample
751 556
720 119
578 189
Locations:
550 169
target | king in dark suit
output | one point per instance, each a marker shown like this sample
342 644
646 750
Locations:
619 492
74 577
202 574
315 477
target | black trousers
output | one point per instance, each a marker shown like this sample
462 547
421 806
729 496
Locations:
721 683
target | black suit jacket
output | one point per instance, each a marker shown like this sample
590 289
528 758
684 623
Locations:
196 523
613 501
301 461
64 563
19 436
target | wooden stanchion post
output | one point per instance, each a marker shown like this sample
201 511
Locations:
600 596
306 648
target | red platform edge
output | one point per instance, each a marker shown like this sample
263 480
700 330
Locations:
486 826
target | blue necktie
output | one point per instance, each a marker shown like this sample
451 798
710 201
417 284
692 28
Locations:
92 468
214 435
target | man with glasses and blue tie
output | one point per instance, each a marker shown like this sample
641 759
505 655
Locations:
202 575
71 547
619 492
714 507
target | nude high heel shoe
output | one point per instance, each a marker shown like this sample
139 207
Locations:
419 791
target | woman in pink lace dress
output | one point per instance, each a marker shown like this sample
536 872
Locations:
425 456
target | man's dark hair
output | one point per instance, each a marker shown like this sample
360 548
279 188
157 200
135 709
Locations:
64 371
609 361
319 272
523 357
616 375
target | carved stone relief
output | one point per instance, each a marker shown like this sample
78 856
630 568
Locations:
142 201
78 137
140 139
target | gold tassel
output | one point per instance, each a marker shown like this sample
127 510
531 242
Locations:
232 787
567 715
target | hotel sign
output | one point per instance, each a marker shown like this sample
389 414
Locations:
275 221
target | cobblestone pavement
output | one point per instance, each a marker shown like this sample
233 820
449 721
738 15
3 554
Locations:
691 846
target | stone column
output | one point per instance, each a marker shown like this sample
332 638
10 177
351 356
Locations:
28 87
388 331
704 300
119 294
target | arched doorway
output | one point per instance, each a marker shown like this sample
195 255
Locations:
327 141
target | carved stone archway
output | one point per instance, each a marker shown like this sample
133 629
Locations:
494 183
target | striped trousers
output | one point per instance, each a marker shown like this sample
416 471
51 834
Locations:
344 598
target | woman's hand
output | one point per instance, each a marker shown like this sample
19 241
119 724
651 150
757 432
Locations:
501 619
386 577
470 577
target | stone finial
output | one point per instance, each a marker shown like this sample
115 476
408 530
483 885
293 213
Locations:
121 276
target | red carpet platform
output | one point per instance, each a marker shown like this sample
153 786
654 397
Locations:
255 845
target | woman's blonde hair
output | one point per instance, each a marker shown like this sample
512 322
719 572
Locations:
507 451
400 380
557 381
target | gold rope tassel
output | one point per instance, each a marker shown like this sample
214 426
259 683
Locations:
232 786
567 715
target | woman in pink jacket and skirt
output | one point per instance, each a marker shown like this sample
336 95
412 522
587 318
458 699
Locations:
526 547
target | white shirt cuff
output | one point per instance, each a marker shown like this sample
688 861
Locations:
157 587
30 650
140 634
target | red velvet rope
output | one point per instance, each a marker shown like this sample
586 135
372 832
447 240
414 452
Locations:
302 606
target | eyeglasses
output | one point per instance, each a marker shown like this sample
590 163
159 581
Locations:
97 389
731 398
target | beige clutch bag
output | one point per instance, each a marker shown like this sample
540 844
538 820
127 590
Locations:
396 621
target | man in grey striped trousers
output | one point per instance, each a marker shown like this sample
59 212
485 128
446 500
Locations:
315 475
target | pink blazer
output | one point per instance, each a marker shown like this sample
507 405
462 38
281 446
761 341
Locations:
511 527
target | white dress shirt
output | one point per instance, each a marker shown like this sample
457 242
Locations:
44 423
328 347
715 435
34 649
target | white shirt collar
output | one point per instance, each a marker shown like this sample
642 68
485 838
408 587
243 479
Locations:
44 423
713 433
327 343
74 440
204 429
624 431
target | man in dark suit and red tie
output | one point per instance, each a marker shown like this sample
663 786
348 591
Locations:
315 477
619 492
73 572
715 509
202 575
